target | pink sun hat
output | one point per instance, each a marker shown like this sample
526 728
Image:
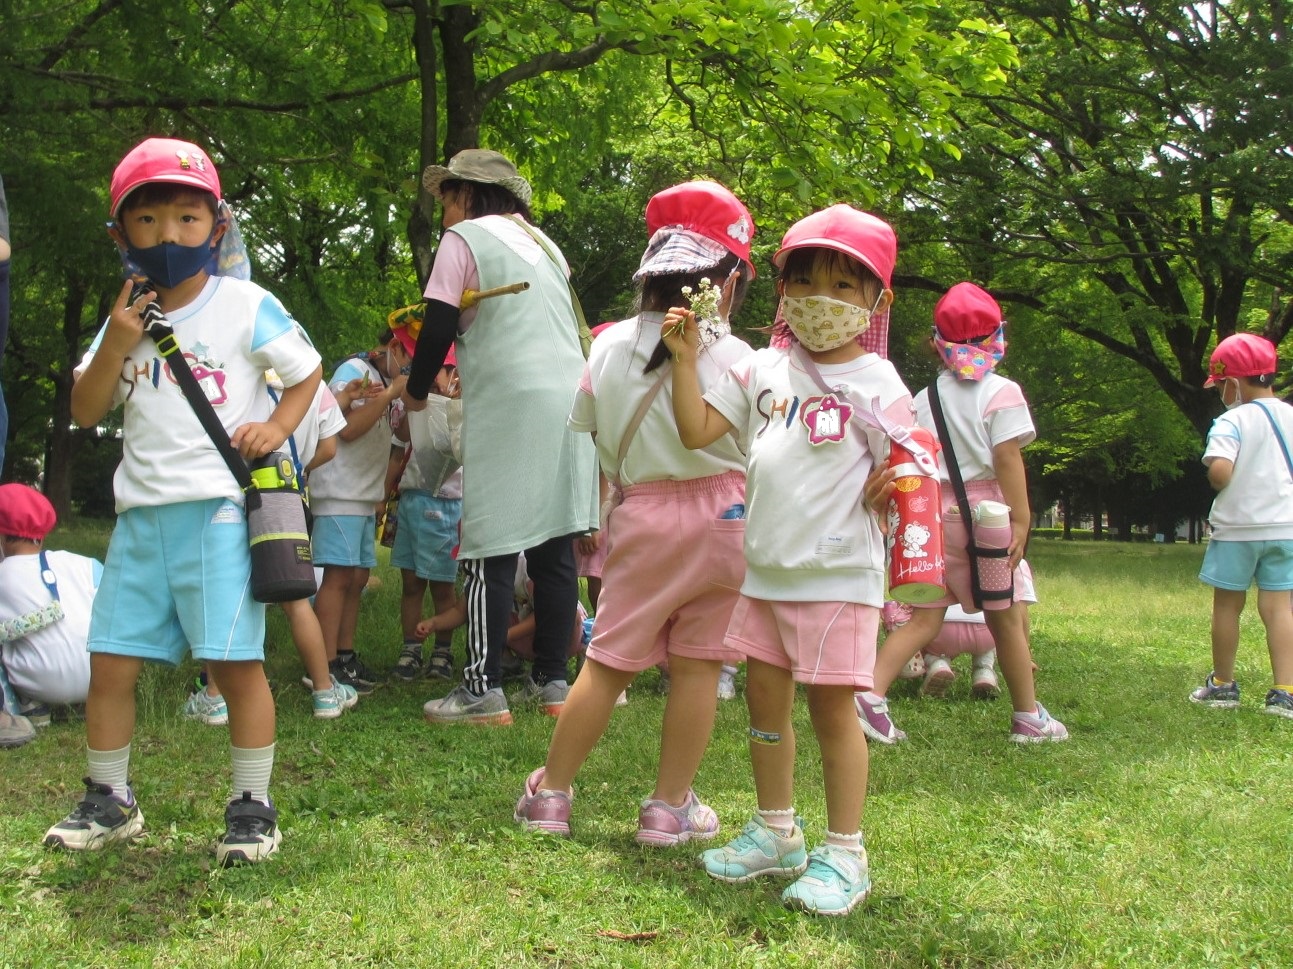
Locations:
1241 355
163 160
869 240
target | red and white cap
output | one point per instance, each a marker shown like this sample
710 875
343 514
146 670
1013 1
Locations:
707 210
1241 355
965 313
869 240
163 160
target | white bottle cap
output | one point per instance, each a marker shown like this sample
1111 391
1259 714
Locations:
992 514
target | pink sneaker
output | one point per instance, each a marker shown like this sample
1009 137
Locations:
547 811
661 825
1026 729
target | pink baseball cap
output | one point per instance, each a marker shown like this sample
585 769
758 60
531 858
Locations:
25 512
406 325
707 209
1241 355
869 240
965 313
163 160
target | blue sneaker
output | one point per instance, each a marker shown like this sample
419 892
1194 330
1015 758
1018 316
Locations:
330 704
836 882
1279 703
204 708
757 850
1213 694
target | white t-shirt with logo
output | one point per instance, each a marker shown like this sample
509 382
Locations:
230 335
1257 505
809 537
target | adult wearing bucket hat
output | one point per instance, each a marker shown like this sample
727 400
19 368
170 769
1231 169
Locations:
529 482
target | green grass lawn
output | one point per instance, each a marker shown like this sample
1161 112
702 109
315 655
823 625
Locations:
1158 835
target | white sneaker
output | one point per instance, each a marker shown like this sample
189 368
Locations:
727 683
938 676
205 708
983 678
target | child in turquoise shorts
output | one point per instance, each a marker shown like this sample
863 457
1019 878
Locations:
178 572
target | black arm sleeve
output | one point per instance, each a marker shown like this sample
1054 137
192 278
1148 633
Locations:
439 328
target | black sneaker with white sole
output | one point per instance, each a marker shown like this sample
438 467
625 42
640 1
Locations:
97 820
351 669
251 832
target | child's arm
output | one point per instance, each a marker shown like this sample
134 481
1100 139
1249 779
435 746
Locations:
521 629
699 422
258 438
359 420
324 452
1008 463
93 390
442 622
1220 471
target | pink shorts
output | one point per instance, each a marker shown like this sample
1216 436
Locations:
830 643
672 575
956 638
956 560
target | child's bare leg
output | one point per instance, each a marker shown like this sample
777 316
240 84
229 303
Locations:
769 696
444 595
350 610
844 755
1227 604
1013 654
251 705
904 643
330 602
110 704
307 634
412 593
583 720
594 591
688 723
1277 616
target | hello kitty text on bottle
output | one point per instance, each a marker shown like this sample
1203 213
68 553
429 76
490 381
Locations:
915 526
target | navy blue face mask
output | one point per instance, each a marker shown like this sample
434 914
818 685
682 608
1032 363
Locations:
168 264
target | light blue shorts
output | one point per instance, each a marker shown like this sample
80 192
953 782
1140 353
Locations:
1234 565
345 540
426 535
178 579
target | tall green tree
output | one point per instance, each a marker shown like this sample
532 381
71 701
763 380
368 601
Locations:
1132 182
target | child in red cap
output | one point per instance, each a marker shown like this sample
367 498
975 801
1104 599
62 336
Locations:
45 600
814 419
1249 465
177 575
988 424
674 561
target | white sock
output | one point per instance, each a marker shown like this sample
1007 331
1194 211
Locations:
252 767
849 842
111 767
779 822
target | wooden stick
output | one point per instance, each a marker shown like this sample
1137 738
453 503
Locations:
470 297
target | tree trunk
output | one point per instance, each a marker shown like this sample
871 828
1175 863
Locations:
58 444
421 223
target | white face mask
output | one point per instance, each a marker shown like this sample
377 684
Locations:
821 323
1237 399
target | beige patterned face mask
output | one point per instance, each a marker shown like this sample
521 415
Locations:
821 323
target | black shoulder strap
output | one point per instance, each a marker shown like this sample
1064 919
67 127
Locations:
159 328
958 488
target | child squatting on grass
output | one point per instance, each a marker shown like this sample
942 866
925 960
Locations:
809 610
1249 465
178 569
987 423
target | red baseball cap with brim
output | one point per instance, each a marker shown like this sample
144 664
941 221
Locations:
966 313
25 512
163 160
869 240
707 209
1241 355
